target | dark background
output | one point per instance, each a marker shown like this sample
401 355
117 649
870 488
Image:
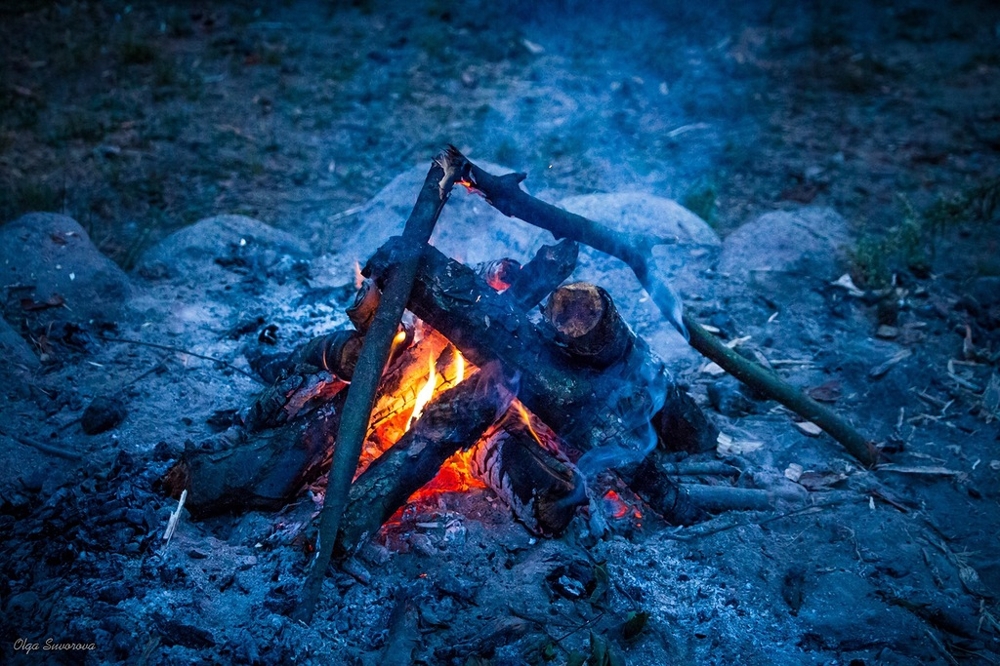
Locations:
140 118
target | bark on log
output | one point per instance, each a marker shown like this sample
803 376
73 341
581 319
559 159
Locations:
588 324
541 490
504 194
453 420
586 406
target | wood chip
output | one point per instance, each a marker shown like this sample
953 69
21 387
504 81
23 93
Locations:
887 332
727 446
793 472
880 370
991 398
809 428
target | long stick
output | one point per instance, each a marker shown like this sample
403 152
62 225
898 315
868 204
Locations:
504 194
371 362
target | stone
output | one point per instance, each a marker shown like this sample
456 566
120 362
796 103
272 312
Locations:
783 253
219 250
15 350
102 414
53 259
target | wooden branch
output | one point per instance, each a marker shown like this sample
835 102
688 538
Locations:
766 382
504 193
453 420
374 354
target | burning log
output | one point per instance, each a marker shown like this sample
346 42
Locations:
353 427
590 407
588 325
541 490
499 273
454 420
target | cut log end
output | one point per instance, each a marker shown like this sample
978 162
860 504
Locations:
587 323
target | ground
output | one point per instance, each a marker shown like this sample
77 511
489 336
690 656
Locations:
138 120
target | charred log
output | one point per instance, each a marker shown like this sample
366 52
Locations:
541 490
454 420
650 481
262 471
550 266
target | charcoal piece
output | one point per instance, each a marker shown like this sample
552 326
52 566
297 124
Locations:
102 414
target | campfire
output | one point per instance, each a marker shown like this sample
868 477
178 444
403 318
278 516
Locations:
499 376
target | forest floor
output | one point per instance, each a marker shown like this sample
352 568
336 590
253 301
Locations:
138 120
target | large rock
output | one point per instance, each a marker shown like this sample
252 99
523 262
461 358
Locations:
469 229
52 258
781 252
219 249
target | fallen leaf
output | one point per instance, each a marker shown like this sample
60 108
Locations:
819 480
826 392
713 369
809 428
793 472
845 282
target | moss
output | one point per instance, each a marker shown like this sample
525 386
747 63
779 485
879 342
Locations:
702 200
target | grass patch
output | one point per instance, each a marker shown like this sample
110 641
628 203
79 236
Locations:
912 244
702 200
28 197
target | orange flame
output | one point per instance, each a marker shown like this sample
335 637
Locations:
358 277
526 418
619 507
425 394
459 367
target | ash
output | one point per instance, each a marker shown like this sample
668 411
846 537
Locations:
894 566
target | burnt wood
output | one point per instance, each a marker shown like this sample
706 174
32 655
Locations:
588 325
246 471
505 194
541 490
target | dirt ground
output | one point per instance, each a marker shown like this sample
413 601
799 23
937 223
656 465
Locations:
138 120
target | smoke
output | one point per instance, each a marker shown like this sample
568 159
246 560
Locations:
635 404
